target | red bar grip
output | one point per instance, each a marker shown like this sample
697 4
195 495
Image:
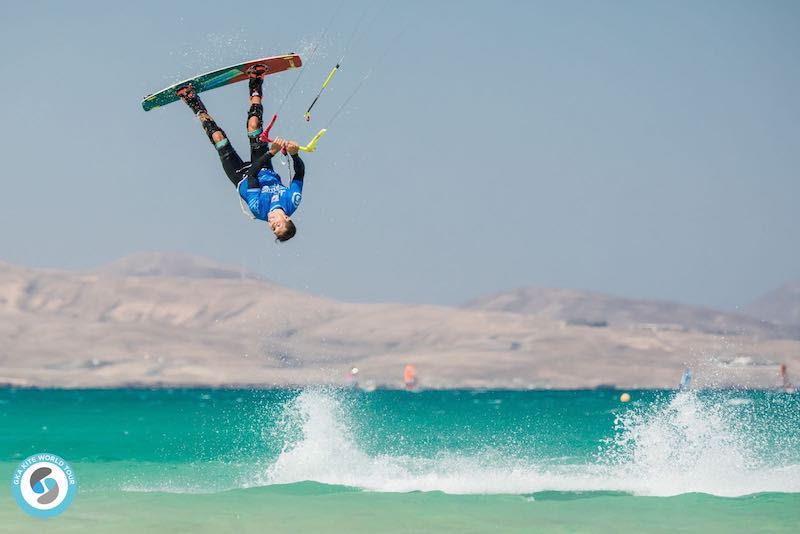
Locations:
264 137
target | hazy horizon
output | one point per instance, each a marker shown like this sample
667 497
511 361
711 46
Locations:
644 150
146 256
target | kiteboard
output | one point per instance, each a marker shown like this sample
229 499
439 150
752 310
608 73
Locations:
220 78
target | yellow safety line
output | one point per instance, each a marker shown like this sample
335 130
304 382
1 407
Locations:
328 79
324 85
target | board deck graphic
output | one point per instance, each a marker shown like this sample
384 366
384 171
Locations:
220 78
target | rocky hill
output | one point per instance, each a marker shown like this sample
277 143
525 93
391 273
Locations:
172 320
597 309
781 306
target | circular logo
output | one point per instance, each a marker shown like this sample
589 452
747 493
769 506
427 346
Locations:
296 199
44 485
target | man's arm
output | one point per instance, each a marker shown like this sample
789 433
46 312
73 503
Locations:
264 161
299 166
255 168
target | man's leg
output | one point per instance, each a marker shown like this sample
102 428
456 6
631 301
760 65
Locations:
231 162
255 116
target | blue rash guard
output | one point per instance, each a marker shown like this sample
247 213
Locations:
263 191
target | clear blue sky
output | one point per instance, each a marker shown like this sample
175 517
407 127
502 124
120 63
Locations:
648 149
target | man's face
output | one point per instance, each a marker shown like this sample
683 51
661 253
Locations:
277 220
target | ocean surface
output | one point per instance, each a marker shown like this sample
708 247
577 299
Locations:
393 461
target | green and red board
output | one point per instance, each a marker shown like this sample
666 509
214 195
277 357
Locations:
221 77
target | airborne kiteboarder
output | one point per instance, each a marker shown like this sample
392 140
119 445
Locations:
259 186
263 194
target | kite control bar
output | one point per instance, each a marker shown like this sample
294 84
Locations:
310 147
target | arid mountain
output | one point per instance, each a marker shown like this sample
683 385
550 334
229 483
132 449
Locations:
163 319
172 264
599 310
781 306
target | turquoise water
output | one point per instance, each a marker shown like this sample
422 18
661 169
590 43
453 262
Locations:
344 460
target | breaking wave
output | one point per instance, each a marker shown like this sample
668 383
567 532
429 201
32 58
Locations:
685 443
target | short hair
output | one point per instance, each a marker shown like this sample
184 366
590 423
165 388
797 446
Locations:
289 232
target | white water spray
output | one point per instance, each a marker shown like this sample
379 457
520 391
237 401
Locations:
684 445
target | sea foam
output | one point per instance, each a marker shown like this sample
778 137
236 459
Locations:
686 443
